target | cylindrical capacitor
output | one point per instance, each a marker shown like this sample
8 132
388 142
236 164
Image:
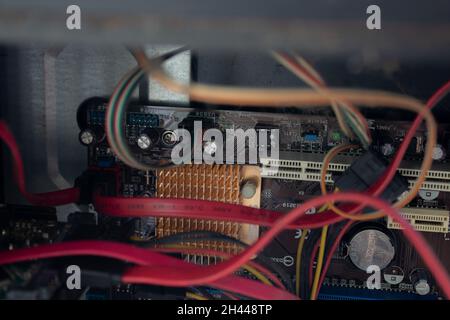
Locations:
420 281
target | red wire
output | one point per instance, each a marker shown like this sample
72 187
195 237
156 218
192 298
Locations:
144 257
54 198
208 252
391 171
171 273
197 209
294 64
203 209
384 181
298 66
168 276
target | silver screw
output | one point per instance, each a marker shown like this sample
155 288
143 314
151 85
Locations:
86 137
144 142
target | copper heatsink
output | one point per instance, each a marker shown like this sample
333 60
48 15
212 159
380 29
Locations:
207 182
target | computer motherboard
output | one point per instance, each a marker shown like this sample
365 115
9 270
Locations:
286 175
304 140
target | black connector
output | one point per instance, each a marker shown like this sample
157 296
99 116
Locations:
365 171
96 180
